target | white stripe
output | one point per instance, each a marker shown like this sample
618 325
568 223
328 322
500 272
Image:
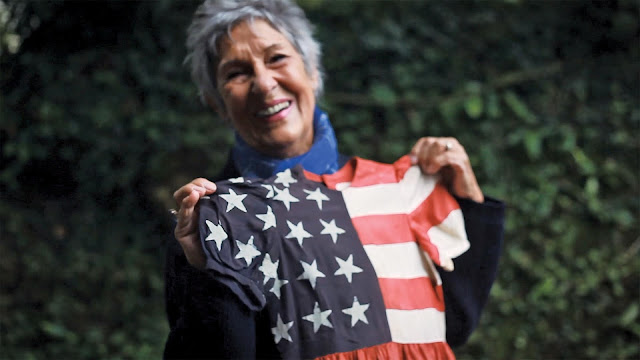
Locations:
416 326
343 185
450 237
382 199
398 261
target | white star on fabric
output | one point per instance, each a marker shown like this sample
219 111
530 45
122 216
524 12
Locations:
269 218
217 233
285 178
347 268
357 312
234 200
277 284
281 331
269 268
247 251
270 188
237 180
319 318
330 228
298 232
318 196
310 273
284 196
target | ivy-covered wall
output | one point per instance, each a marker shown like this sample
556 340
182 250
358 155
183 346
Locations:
99 124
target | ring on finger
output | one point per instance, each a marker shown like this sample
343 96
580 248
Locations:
448 146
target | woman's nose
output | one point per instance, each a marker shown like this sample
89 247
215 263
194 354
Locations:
264 81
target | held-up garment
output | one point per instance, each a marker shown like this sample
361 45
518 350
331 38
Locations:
207 321
343 263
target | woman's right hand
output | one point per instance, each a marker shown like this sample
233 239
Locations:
186 231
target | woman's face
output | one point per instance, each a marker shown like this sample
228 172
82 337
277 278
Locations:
267 94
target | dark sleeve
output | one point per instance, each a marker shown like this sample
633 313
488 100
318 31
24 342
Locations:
466 289
205 318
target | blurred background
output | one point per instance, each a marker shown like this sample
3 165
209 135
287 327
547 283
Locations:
99 124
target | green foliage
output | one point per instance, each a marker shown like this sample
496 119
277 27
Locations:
99 123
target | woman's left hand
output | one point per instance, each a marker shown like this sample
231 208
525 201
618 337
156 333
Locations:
445 155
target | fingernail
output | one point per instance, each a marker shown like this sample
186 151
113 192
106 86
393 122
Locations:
413 158
210 186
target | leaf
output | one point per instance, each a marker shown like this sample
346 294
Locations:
474 106
583 161
591 186
629 316
54 329
519 107
383 94
533 144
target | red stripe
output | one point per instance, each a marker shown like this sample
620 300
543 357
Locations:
369 173
437 207
345 174
395 351
411 294
401 166
383 229
312 176
374 173
432 212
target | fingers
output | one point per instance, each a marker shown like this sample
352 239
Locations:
417 149
200 185
432 153
186 231
451 159
446 156
186 198
187 210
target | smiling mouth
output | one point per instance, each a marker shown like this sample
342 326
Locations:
274 109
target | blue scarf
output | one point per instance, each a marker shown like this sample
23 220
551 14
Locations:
322 158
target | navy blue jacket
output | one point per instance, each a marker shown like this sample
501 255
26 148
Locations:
207 321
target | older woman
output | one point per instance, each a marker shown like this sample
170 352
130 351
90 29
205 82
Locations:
257 65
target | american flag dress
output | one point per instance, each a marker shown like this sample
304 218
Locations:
344 263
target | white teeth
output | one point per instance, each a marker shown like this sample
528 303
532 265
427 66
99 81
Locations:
274 109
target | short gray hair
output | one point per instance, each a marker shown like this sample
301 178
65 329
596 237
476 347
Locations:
214 19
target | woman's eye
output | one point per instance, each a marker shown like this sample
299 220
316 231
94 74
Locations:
233 74
276 58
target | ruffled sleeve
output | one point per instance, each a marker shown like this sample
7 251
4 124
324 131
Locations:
233 245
